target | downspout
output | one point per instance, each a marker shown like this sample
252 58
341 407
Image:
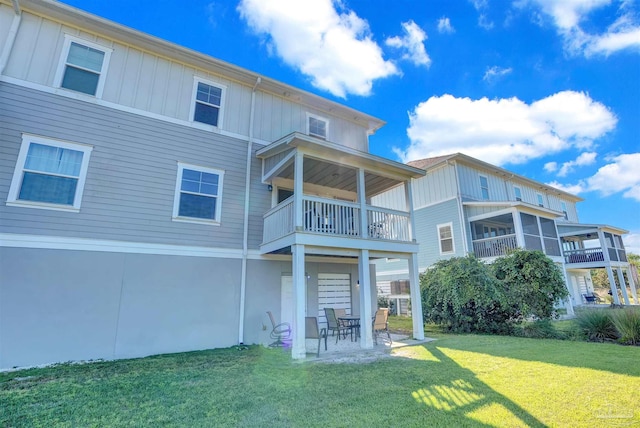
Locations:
245 236
11 37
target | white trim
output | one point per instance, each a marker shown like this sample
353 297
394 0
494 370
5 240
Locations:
322 119
540 197
103 245
432 204
62 62
176 199
192 107
16 181
453 241
101 102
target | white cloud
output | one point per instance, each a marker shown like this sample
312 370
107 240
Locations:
333 47
569 17
481 6
632 243
494 73
574 189
502 131
586 158
412 43
551 166
444 26
622 174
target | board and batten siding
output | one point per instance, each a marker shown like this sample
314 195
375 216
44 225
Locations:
470 184
427 220
152 83
131 178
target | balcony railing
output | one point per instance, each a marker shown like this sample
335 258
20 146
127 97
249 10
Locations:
336 218
586 255
495 247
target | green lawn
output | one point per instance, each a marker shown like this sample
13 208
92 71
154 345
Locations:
455 381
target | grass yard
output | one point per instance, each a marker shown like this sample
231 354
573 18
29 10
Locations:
455 381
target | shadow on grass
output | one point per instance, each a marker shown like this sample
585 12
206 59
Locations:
608 357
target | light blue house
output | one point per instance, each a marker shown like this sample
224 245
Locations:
466 206
154 199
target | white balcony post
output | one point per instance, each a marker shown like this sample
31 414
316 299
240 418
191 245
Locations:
408 196
298 179
298 349
416 298
362 200
366 326
607 261
517 225
623 287
632 285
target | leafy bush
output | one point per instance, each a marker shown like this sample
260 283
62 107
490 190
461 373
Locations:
461 295
627 323
597 324
541 329
532 283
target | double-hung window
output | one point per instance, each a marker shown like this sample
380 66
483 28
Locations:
317 126
83 66
49 174
445 236
207 103
484 187
563 205
540 199
198 194
518 193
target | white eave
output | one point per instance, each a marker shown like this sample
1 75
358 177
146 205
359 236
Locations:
514 204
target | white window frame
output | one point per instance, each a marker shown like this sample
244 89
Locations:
194 100
176 199
453 241
517 193
320 118
16 182
563 206
540 199
62 64
481 176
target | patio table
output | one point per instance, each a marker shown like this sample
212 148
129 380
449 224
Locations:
353 321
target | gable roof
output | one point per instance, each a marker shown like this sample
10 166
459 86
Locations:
428 163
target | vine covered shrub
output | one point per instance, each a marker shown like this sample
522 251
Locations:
532 283
461 295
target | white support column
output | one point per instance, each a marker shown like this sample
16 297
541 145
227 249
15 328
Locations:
408 196
298 181
623 286
416 298
607 261
366 314
517 225
362 200
298 350
568 303
632 285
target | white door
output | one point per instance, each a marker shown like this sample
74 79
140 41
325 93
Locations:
334 291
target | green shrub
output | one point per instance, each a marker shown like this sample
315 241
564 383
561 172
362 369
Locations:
627 323
597 324
541 329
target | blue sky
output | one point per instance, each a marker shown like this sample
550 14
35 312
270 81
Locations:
549 89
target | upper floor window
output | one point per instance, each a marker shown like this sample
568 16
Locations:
518 193
540 200
317 126
445 235
564 210
49 174
198 194
484 187
207 103
83 66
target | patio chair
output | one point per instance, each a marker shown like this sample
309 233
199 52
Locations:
381 324
281 333
311 331
340 313
334 325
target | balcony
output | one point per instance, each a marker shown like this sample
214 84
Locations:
495 247
328 217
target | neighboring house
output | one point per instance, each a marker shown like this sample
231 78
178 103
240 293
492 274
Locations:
156 200
466 206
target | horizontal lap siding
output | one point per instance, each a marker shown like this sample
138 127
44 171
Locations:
427 220
131 178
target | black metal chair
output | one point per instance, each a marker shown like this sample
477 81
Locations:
333 325
281 333
313 332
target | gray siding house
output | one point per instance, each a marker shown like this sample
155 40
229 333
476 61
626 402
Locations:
467 206
154 199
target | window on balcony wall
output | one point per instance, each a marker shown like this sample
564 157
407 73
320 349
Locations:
445 236
317 126
484 187
208 98
82 66
518 193
198 194
563 205
49 174
540 200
